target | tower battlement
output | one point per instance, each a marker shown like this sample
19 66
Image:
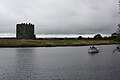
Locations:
25 24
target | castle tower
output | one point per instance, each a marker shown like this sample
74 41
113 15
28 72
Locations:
25 31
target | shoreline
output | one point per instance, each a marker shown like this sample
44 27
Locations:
16 43
48 46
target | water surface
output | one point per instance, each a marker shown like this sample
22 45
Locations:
59 63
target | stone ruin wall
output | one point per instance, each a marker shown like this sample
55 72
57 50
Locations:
25 31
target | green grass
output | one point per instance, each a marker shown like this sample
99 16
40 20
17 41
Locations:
51 43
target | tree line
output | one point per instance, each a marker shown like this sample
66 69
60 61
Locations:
114 36
100 37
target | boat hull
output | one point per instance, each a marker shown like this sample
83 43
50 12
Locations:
93 50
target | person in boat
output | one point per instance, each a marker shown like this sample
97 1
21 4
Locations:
93 47
118 47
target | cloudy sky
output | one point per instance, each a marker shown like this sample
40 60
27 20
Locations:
60 16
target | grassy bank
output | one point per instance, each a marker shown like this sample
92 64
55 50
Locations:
51 43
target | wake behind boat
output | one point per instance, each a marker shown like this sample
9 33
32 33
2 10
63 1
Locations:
93 50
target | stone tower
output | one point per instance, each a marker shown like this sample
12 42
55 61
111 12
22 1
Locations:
25 31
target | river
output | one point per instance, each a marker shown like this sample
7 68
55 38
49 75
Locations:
59 63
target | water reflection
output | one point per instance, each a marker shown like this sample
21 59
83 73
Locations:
25 64
93 53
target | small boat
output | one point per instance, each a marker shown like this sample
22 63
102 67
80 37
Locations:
93 50
117 49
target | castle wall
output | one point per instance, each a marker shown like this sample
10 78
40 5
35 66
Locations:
25 31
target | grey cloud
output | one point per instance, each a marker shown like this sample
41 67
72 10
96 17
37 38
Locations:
60 16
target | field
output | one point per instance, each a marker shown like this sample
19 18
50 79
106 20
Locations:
51 43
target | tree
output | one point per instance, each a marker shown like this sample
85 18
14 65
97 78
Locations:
119 6
80 37
97 36
118 33
118 29
114 35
